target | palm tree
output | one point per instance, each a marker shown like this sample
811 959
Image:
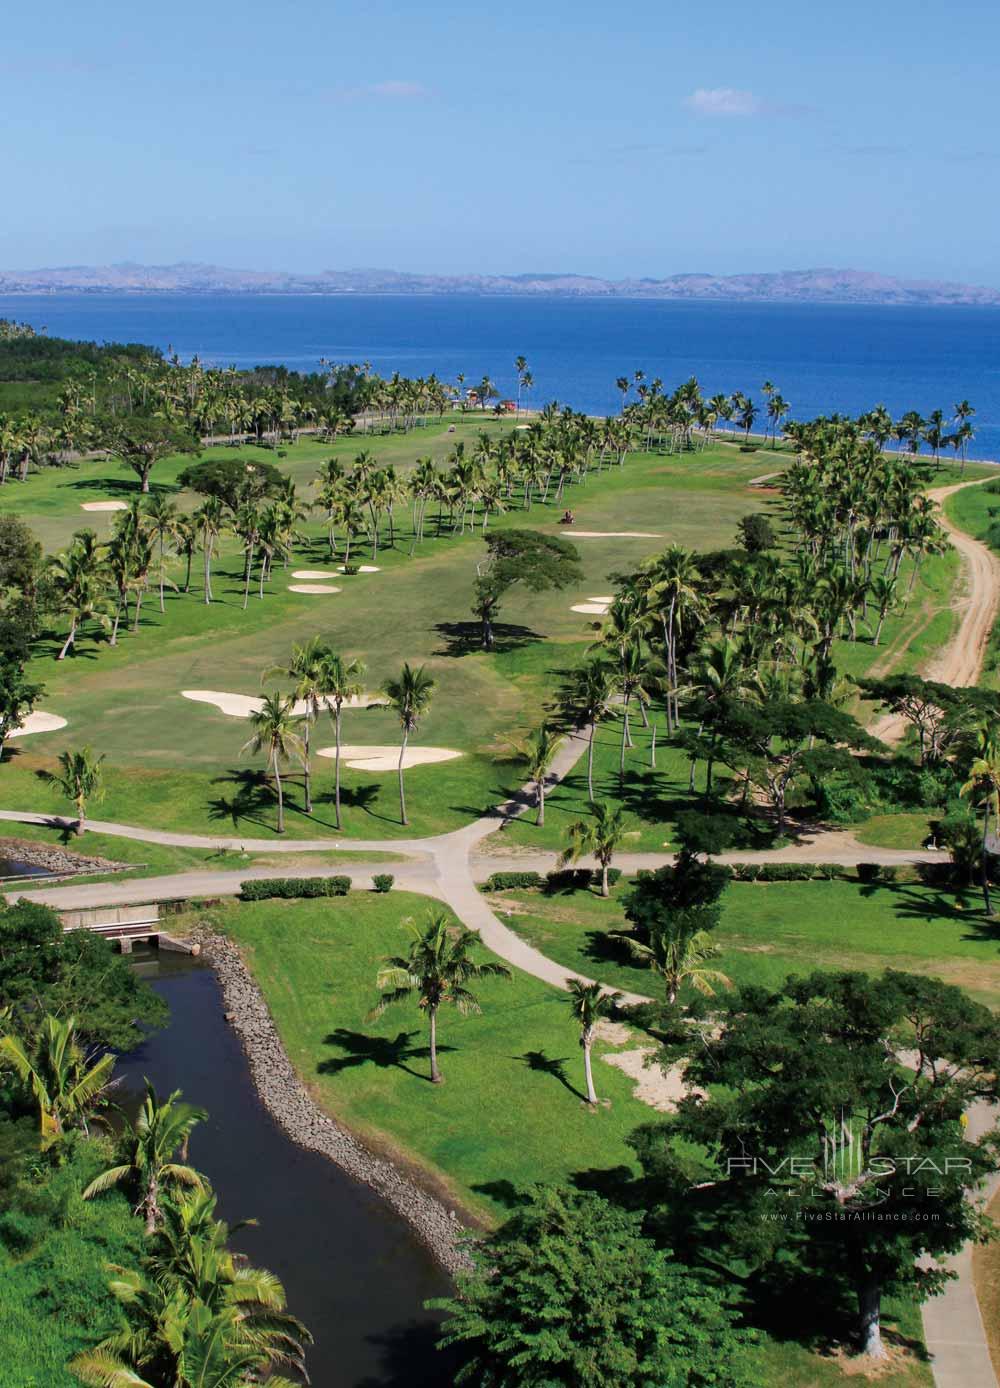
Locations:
81 779
410 695
435 971
210 519
55 1069
679 953
590 695
341 680
77 577
520 366
185 543
537 752
882 591
601 836
162 519
150 1149
272 733
589 1002
984 782
306 671
962 417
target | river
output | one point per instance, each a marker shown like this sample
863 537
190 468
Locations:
353 1271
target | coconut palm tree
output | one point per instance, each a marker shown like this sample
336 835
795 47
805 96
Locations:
589 698
600 836
680 953
80 780
410 695
340 681
185 544
210 520
589 1002
983 783
273 725
306 671
65 1088
76 577
154 1155
537 752
161 518
435 971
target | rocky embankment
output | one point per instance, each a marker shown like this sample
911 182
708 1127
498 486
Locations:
286 1099
61 862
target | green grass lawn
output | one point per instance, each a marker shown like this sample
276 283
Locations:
510 1111
149 859
770 930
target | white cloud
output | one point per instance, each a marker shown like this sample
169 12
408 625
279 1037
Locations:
724 101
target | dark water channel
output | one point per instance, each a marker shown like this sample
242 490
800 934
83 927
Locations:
352 1270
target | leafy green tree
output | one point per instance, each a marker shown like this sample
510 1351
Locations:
410 695
18 696
436 972
45 970
983 784
569 1294
80 779
840 1097
756 533
540 562
601 835
142 443
273 734
231 480
66 1088
589 1002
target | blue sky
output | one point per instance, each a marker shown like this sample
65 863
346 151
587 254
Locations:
649 139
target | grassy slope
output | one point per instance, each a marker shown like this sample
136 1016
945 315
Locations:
508 1113
770 930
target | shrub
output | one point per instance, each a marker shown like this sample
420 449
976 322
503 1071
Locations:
869 872
786 872
512 881
578 879
351 569
382 882
263 889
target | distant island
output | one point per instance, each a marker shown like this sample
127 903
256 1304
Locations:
823 286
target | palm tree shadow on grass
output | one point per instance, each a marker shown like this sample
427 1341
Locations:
541 1064
122 488
388 1053
912 905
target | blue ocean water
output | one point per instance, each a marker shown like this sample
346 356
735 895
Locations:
822 358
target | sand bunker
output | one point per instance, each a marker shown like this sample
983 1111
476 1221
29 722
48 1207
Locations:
243 705
313 573
574 534
595 607
103 506
38 723
362 569
312 588
660 1089
387 758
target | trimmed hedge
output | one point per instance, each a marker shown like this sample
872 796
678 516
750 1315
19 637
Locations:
512 881
578 879
382 882
787 872
261 889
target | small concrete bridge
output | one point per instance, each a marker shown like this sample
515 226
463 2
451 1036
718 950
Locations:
127 925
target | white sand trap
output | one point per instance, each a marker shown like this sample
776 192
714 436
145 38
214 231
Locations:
363 569
313 573
243 705
387 758
103 506
660 1089
312 588
592 609
38 723
575 534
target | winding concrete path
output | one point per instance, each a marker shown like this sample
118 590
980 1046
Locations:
448 867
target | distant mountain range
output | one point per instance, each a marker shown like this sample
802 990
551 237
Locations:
794 286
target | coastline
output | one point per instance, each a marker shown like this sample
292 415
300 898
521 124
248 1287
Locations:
281 1091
